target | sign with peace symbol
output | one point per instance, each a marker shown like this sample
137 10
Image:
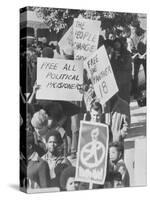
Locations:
89 153
92 152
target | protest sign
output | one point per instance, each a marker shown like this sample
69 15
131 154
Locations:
59 79
92 153
85 37
102 77
66 41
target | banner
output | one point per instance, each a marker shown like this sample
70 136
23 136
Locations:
59 79
85 37
92 153
102 77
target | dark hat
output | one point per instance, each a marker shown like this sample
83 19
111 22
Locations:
66 173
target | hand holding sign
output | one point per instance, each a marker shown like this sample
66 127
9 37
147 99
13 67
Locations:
100 71
59 79
92 153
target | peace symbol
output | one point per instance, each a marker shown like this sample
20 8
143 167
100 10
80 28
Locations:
91 151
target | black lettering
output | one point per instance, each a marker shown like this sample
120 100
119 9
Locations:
80 25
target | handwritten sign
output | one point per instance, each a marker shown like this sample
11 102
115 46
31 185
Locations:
85 37
102 77
67 39
92 153
59 79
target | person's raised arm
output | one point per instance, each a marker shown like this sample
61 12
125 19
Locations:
35 88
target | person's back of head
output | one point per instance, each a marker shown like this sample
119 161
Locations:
47 52
39 119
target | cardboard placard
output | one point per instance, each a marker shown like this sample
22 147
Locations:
92 153
59 79
102 76
85 37
67 39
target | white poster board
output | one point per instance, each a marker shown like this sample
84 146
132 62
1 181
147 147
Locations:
102 76
66 41
85 37
59 79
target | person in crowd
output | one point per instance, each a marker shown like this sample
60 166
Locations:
39 145
67 179
72 123
53 44
39 49
54 157
117 180
29 114
126 33
39 122
117 164
135 34
43 124
31 98
95 114
138 37
109 47
31 64
121 63
47 52
139 60
75 124
56 49
117 116
34 171
44 42
113 180
111 36
142 51
57 120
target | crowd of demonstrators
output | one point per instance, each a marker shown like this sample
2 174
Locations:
52 135
117 173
